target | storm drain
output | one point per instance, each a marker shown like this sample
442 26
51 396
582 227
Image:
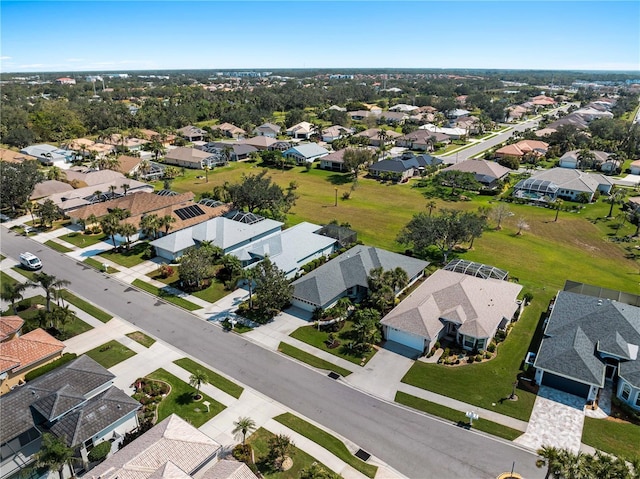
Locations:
364 455
333 375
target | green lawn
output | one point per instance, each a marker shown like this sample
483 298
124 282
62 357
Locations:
82 240
180 401
149 288
57 246
141 338
85 306
126 258
331 443
30 316
313 337
459 417
6 279
311 360
259 440
25 272
98 265
215 379
619 438
213 292
111 353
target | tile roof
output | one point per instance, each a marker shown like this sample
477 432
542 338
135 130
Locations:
94 177
478 305
9 325
522 147
582 327
30 348
487 170
335 156
183 153
227 469
173 440
349 269
136 203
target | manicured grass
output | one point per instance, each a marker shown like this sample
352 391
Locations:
141 338
311 360
619 438
215 379
242 328
127 258
180 401
98 265
6 279
57 246
149 288
259 440
82 240
30 316
459 417
85 306
212 293
331 443
313 337
25 272
111 353
489 382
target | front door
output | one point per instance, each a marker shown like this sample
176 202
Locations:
610 372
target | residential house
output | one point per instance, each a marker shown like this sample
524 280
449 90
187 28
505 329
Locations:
571 160
236 151
373 135
11 156
635 167
192 133
516 112
453 133
423 140
633 203
346 276
334 161
487 173
467 309
226 233
457 112
165 139
290 249
360 115
542 100
65 81
171 449
80 146
335 132
262 142
49 155
591 340
522 148
401 168
403 107
302 130
128 165
48 188
563 183
267 129
471 124
76 402
192 158
393 117
122 141
230 130
337 108
306 153
22 353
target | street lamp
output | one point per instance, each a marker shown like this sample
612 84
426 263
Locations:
336 202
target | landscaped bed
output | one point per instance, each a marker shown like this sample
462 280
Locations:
214 378
111 353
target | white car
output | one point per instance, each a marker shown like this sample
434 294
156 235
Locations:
30 261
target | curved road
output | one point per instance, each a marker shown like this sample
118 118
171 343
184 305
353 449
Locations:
414 444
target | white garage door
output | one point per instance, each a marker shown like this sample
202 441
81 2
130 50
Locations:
410 340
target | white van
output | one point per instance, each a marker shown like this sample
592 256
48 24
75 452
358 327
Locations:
30 261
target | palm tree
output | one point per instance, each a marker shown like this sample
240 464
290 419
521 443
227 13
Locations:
432 205
244 426
55 173
197 379
586 158
280 447
383 137
206 173
557 204
399 278
53 454
13 292
125 188
549 458
150 224
110 225
61 316
616 197
127 230
31 207
50 284
91 220
165 222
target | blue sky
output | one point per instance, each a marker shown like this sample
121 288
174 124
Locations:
123 35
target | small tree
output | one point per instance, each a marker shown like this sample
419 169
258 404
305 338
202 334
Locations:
244 426
273 290
499 213
197 379
53 454
50 284
522 225
280 447
12 292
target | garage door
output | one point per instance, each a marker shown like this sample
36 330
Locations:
566 385
410 340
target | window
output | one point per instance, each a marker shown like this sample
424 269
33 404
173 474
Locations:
626 391
468 342
638 400
480 344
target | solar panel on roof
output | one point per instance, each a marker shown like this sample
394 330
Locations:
189 212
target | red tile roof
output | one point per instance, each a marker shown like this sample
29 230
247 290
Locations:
9 325
30 348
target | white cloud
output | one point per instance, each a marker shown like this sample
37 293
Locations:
73 60
4 58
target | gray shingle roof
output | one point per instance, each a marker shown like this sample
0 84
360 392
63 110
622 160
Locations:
579 328
350 269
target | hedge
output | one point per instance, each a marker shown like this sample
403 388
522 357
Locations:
66 357
100 452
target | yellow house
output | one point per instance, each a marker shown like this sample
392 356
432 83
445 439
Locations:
20 354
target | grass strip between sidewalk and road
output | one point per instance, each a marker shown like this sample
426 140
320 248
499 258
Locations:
456 416
94 263
311 360
88 308
331 443
181 302
215 379
57 246
141 338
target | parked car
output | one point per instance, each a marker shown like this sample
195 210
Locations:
30 261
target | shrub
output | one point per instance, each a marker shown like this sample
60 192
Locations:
100 452
500 336
492 347
446 353
166 271
437 345
527 297
66 357
346 195
487 355
478 358
242 452
471 359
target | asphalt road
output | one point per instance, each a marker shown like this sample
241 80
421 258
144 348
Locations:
414 444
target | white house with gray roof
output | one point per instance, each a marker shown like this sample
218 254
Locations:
468 309
306 153
346 276
590 340
565 183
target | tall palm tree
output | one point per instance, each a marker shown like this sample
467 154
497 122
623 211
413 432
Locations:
127 230
615 197
12 292
150 224
165 222
110 225
244 426
61 316
432 205
399 278
197 379
557 204
31 207
586 158
50 284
